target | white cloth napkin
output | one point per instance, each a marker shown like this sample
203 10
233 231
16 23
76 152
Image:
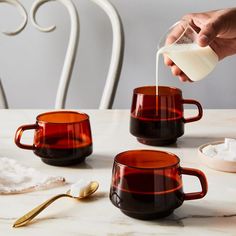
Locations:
16 178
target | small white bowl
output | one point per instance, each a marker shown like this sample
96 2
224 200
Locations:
216 164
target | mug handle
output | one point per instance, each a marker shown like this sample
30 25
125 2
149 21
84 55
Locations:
19 133
200 111
201 176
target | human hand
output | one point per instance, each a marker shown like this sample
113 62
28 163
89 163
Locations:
216 28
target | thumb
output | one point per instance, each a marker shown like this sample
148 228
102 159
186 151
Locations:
208 33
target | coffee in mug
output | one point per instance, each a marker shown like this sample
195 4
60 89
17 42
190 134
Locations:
158 119
61 138
148 184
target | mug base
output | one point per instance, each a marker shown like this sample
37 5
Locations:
58 162
157 142
148 216
61 159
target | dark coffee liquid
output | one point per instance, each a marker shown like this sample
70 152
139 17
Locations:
157 129
146 195
62 152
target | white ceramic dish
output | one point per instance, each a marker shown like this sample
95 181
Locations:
216 164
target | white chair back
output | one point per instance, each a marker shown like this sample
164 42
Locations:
116 56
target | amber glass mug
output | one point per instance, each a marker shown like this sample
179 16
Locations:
61 138
148 184
159 119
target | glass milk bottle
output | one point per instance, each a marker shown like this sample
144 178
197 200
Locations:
179 44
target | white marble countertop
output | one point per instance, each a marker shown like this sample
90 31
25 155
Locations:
213 215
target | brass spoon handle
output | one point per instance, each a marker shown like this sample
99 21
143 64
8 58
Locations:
25 219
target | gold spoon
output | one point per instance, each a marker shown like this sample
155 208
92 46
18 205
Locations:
81 193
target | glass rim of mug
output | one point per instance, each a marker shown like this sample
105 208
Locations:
185 24
85 117
146 168
135 91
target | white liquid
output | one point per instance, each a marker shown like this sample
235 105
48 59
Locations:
195 61
157 69
157 79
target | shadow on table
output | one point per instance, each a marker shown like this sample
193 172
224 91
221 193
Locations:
193 215
194 141
96 161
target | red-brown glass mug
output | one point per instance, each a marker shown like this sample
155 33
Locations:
61 137
148 184
159 119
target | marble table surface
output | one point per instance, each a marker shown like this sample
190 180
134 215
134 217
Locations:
213 215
